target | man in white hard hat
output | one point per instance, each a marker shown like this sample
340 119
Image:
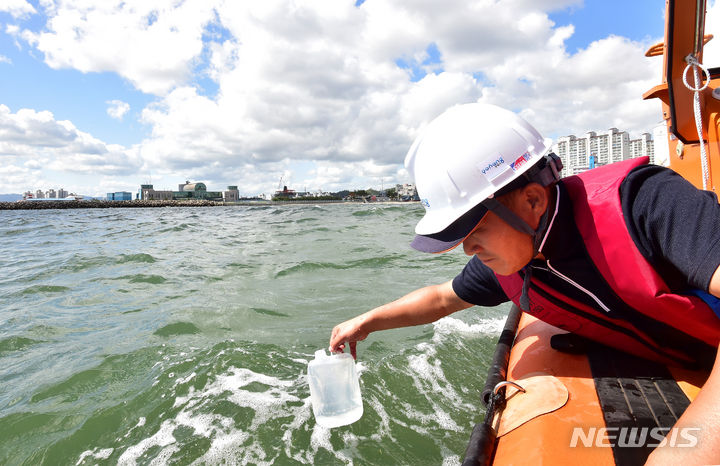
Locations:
593 254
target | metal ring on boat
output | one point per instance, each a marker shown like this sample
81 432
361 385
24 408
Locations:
692 62
507 382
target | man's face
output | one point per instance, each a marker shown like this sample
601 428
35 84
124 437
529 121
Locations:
498 245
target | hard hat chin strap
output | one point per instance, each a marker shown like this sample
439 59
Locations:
512 219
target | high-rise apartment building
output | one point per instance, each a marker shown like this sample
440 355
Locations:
582 153
643 146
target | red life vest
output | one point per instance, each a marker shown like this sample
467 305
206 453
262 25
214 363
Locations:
595 197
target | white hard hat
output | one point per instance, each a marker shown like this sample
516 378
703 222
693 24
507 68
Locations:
463 157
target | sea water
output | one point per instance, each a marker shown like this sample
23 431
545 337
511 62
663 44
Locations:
182 336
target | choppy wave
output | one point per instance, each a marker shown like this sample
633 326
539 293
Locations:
16 343
369 212
142 258
269 312
42 289
143 278
369 262
177 328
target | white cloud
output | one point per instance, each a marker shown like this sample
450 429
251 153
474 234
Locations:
711 52
328 176
17 8
37 140
4 59
318 81
152 43
117 108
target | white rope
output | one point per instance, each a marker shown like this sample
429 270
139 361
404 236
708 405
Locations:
695 64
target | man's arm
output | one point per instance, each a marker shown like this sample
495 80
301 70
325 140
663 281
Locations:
418 307
703 413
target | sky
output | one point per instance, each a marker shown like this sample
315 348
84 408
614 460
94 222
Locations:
102 96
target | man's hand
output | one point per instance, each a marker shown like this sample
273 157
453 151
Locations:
350 331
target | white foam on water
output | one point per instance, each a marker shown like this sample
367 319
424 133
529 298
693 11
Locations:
430 380
265 404
231 448
360 367
320 438
451 460
454 326
227 441
431 373
224 445
95 453
163 457
162 438
204 425
383 431
185 379
230 442
302 416
141 422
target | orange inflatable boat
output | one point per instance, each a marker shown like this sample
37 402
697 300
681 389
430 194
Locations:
580 404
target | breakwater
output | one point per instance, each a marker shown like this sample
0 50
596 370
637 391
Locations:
101 204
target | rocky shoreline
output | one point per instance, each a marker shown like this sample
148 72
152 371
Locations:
98 204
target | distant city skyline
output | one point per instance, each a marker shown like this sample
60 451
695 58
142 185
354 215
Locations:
406 189
597 148
573 151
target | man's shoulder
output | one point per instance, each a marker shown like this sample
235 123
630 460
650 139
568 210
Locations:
650 181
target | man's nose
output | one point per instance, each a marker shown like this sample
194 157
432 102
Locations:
470 246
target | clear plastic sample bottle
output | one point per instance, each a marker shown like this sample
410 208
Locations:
334 389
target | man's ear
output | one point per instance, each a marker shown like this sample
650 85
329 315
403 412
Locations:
535 198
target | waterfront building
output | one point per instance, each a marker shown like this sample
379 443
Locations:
232 194
49 194
119 196
147 193
196 191
186 191
406 191
592 149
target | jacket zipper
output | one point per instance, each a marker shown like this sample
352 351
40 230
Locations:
573 283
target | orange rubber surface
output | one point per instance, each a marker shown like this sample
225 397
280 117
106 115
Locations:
547 438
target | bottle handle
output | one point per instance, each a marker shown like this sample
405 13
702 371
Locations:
353 349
